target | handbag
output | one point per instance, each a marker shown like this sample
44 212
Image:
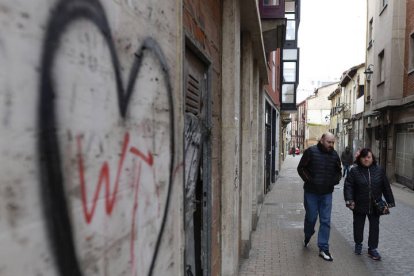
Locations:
381 207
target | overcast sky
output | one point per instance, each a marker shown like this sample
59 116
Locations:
331 40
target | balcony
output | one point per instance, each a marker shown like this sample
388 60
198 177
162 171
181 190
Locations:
272 9
272 14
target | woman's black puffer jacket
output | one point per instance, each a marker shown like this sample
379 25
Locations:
357 188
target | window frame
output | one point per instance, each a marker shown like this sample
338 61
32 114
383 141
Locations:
381 66
277 3
411 53
370 32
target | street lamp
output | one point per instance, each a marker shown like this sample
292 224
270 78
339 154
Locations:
368 72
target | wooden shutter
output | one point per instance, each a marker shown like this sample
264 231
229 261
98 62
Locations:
193 95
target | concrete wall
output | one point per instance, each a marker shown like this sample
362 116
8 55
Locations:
230 140
389 32
247 82
91 176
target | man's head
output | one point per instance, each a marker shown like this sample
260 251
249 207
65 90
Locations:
347 149
328 141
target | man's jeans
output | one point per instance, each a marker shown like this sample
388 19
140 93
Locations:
346 170
318 204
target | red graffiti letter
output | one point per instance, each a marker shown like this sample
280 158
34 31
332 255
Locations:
103 177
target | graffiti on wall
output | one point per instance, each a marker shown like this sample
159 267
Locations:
140 150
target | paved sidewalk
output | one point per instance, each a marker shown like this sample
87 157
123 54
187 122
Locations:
277 247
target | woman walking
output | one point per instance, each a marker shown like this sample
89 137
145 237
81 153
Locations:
365 184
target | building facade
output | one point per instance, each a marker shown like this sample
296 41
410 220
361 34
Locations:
389 97
318 108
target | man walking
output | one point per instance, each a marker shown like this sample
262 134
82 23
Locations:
320 169
346 158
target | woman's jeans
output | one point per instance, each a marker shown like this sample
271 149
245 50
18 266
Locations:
318 204
359 222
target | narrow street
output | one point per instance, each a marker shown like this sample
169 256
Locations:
277 247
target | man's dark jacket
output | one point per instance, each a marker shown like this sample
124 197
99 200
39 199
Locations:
357 188
319 169
346 158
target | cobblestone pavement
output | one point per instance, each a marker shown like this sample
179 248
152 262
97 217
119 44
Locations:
277 243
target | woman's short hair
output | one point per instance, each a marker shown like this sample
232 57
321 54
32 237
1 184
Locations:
363 153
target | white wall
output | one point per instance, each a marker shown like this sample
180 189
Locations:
318 107
75 161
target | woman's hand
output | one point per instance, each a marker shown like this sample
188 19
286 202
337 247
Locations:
350 204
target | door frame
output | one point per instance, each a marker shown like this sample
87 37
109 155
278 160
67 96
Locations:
191 45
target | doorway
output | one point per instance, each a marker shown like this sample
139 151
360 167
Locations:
197 159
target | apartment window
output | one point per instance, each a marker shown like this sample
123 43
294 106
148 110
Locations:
270 2
370 29
273 70
384 4
290 6
291 30
368 99
411 53
360 91
290 14
288 93
289 71
381 63
290 54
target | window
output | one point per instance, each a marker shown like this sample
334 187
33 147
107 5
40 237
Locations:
273 70
384 4
381 63
270 2
368 98
370 29
288 93
291 30
411 53
290 54
290 14
289 71
290 6
360 91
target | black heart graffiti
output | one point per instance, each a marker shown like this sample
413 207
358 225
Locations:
52 180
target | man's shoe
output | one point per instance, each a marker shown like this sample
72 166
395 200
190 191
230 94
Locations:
358 248
324 254
373 254
306 242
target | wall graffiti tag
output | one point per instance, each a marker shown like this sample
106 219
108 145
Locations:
56 206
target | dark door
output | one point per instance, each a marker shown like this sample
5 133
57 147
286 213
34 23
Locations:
268 148
196 188
273 147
